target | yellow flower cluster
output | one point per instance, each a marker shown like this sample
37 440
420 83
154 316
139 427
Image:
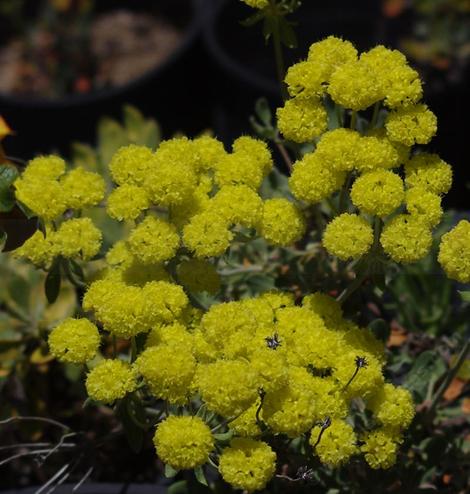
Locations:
260 364
110 380
365 165
247 464
77 237
183 442
203 192
74 340
48 191
454 252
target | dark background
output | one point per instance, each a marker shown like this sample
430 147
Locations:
221 70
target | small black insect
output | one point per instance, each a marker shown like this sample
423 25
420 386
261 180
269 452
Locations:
273 341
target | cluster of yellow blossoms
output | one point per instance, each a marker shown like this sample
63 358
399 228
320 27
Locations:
264 365
365 162
48 191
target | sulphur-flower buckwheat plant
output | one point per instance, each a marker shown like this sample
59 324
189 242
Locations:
254 381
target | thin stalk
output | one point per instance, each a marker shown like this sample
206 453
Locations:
375 115
284 154
278 54
450 377
355 284
353 120
133 349
343 195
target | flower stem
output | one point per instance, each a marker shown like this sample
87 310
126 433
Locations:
277 44
353 120
375 115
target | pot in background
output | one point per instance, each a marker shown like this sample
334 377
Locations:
44 124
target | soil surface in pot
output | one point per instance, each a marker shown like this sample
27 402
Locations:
115 48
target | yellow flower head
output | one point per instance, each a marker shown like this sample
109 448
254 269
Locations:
429 171
454 252
74 340
338 149
330 53
302 119
247 464
337 443
378 193
282 222
354 86
168 371
380 448
183 442
45 168
228 387
209 152
77 237
82 189
238 204
127 201
154 240
110 380
38 249
43 196
130 164
406 238
392 406
207 234
424 204
313 180
348 236
324 306
411 125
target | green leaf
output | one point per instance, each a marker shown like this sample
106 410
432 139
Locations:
224 436
3 239
180 487
170 472
133 119
85 156
134 433
428 366
263 111
74 273
8 174
287 32
380 329
53 281
465 296
200 476
150 135
253 19
111 136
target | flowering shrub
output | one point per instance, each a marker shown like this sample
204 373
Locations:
240 384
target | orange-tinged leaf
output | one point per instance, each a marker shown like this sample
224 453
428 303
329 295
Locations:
398 336
466 410
454 390
393 8
4 129
39 358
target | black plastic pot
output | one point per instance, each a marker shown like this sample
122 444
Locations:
42 124
98 488
246 67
